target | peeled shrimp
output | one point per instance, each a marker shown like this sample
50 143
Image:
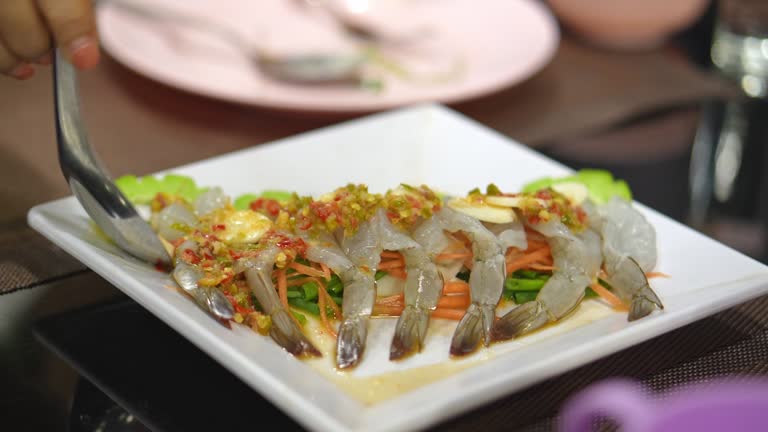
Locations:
577 260
364 250
486 281
629 251
209 299
423 288
284 330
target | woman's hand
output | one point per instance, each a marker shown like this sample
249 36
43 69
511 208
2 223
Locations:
29 27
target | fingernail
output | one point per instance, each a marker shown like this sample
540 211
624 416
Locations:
84 52
45 59
23 71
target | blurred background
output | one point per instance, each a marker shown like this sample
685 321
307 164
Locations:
671 96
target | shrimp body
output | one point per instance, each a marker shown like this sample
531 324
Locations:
209 299
577 260
629 251
423 288
284 330
364 250
486 280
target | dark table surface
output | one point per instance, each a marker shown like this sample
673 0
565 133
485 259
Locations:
77 352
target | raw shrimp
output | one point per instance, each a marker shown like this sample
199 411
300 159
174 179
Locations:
284 330
577 260
364 250
423 288
486 281
210 299
187 275
629 251
359 292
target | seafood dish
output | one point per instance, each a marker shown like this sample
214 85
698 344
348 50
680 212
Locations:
501 264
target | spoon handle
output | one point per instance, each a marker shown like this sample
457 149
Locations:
89 180
76 157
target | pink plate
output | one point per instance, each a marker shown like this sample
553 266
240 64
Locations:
467 49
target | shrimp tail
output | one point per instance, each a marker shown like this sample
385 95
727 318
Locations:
284 329
209 299
525 318
410 332
474 326
631 285
285 333
351 341
643 303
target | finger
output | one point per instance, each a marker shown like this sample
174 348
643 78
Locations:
23 30
10 65
74 29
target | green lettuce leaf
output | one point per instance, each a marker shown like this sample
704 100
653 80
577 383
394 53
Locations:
141 190
601 184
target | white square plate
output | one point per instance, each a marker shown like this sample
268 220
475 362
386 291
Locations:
427 144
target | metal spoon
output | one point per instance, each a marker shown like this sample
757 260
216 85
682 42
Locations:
310 69
88 179
98 194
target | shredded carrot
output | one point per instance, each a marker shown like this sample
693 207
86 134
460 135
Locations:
391 299
306 270
608 296
299 281
650 275
536 244
453 302
282 287
455 287
391 254
448 256
324 314
391 264
389 310
451 314
398 273
527 259
326 271
542 267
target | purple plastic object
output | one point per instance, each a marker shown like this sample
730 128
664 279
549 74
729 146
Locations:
731 404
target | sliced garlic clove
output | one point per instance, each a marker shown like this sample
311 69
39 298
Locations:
483 211
513 201
576 192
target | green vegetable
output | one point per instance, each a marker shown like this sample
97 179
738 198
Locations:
514 284
334 285
141 190
304 305
242 202
600 183
524 285
530 274
310 291
302 319
379 274
525 296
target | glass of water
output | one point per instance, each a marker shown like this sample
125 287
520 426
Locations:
740 44
729 161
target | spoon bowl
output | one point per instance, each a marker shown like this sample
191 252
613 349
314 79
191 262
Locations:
88 179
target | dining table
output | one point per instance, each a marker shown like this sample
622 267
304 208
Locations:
77 354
